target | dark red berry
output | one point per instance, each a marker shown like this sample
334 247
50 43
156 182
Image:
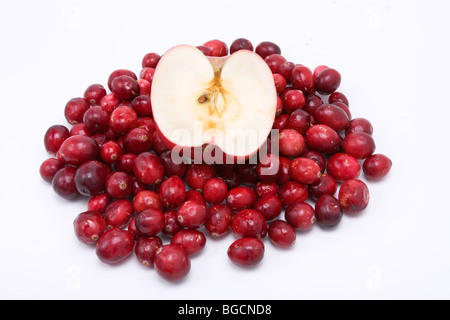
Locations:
99 203
322 138
332 116
302 79
77 150
94 93
119 213
269 206
150 222
267 48
146 199
89 226
64 183
90 178
305 170
146 248
342 166
328 211
96 120
292 191
377 166
120 72
240 44
172 192
54 138
249 223
359 125
246 252
193 241
171 223
114 246
300 215
327 81
326 185
148 168
215 190
240 198
75 109
192 214
359 144
281 234
172 262
150 60
49 168
122 120
354 196
197 175
219 220
119 185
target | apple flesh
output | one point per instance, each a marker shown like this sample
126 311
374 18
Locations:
229 102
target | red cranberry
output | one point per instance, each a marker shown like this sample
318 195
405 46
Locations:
125 161
360 125
75 109
142 106
305 170
90 178
302 79
274 61
240 198
197 175
219 220
328 211
280 121
269 206
293 100
246 252
147 123
170 167
285 70
192 215
146 199
327 81
377 166
322 138
338 97
267 48
285 171
229 176
145 87
118 213
94 93
268 168
317 157
263 189
138 140
171 223
280 85
291 143
99 203
358 144
240 44
148 168
147 74
354 196
326 185
145 249
80 129
193 241
122 120
292 191
194 195
207 51
299 120
63 183
119 185
120 72
215 190
218 48
54 138
249 223
172 192
77 150
96 120
300 215
281 234
109 102
344 107
332 116
89 226
150 222
150 60
49 168
312 102
318 70
248 174
114 246
172 262
111 152
342 166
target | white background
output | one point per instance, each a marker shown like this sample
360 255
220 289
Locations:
393 57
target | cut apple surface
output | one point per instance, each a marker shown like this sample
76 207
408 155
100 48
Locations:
229 102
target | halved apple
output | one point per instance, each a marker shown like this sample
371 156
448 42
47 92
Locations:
228 102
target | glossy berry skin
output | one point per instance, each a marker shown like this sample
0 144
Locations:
192 215
342 166
328 211
292 100
354 196
150 60
219 220
269 206
359 144
301 216
148 168
170 167
192 241
54 138
142 106
377 166
122 120
196 196
326 185
146 199
94 93
137 140
327 81
281 234
172 192
91 177
338 97
360 125
109 102
317 157
268 168
267 48
150 222
145 249
240 44
111 152
63 183
291 143
96 120
305 170
172 262
274 61
240 198
171 224
49 168
197 175
302 79
218 48
249 223
299 120
89 226
118 213
125 87
119 185
263 189
332 116
292 191
77 150
114 246
215 190
75 109
120 72
323 138
246 252
99 203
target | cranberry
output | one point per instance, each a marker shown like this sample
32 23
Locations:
360 125
171 223
219 220
90 178
285 70
246 252
285 171
327 81
148 168
146 199
114 246
207 51
49 168
267 48
280 121
99 203
281 234
193 241
197 175
196 196
229 176
119 185
299 120
147 74
89 226
377 166
317 157
247 173
322 138
274 61
150 222
96 120
54 138
249 223
344 107
138 140
318 70
170 167
145 87
109 102
305 170
263 189
150 60
292 191
354 196
77 150
192 214
215 190
291 143
268 168
240 198
280 85
312 102
328 211
240 44
63 183
75 109
342 166
94 93
338 97
359 144
332 116
110 152
122 120
172 262
172 192
302 79
125 161
218 48
146 248
300 215
80 129
326 185
120 72
269 206
118 213
142 106
293 100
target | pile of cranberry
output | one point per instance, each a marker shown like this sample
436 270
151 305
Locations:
140 197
